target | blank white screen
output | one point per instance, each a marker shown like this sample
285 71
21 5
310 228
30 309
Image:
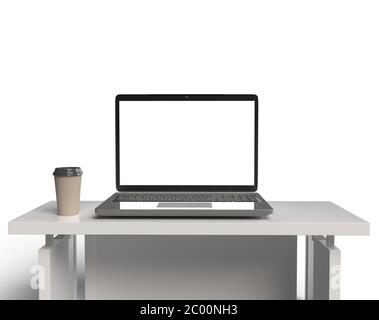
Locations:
186 142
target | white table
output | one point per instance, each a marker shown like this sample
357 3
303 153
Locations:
187 258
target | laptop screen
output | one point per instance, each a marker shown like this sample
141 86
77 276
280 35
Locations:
186 143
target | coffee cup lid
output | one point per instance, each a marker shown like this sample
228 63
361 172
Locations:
67 171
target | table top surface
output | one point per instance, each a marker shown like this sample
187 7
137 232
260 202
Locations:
289 218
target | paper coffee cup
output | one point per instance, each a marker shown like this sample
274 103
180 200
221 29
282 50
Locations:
67 188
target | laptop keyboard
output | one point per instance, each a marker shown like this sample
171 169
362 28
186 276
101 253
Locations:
187 197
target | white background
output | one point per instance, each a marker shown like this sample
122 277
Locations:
187 142
313 64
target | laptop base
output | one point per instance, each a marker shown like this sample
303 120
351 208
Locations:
113 207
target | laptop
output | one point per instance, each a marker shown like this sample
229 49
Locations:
186 156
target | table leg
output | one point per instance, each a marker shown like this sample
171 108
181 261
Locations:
57 261
323 266
309 268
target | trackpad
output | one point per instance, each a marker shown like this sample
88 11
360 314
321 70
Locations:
184 205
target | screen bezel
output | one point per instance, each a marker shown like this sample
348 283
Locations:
186 97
